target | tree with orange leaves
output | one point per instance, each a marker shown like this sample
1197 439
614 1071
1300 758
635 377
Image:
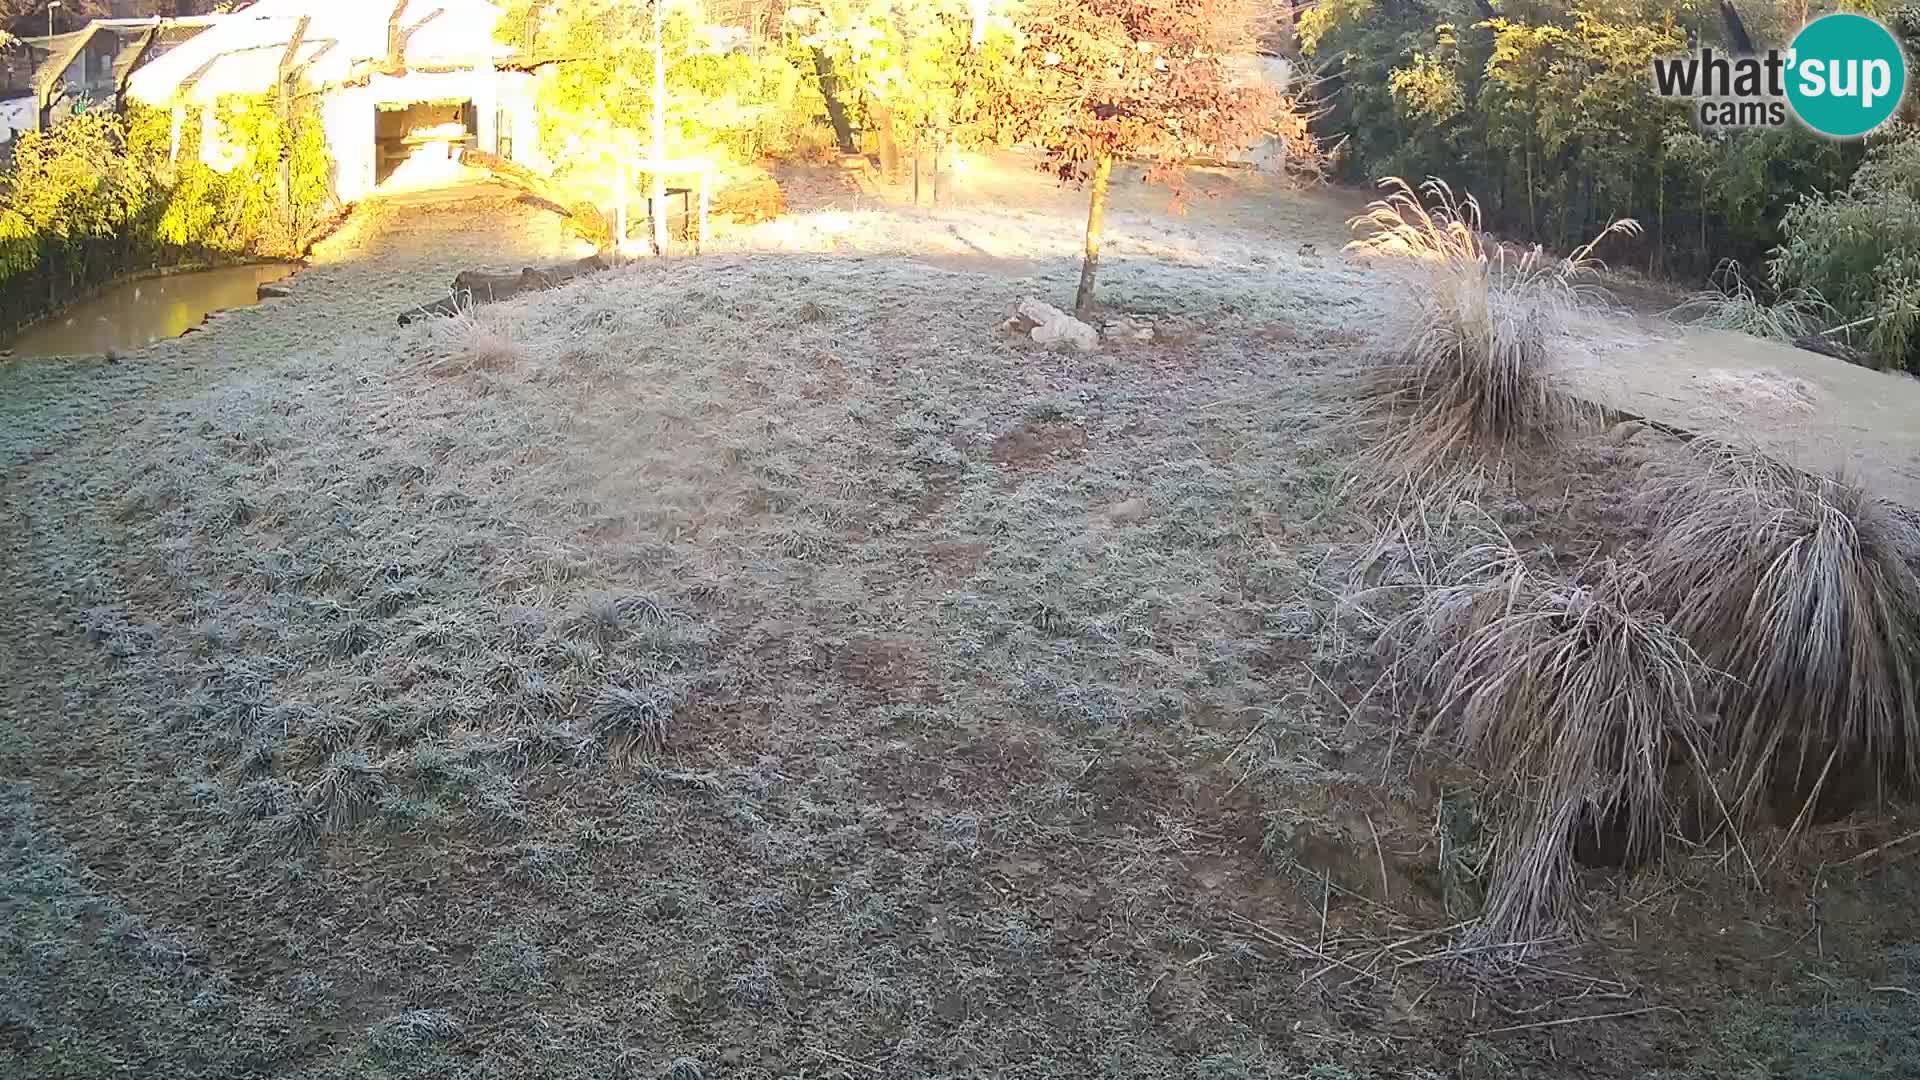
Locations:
1163 82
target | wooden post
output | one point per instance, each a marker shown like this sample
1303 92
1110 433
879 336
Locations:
620 208
701 244
942 176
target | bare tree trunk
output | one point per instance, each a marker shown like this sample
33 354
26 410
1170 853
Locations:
889 146
836 112
942 169
1096 213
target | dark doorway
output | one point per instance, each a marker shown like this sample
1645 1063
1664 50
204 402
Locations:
428 130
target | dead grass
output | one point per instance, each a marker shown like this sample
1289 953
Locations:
1580 702
477 340
1465 372
1803 590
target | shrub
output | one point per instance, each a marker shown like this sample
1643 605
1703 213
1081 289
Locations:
475 343
1469 371
101 195
1802 589
1579 699
1860 250
1729 303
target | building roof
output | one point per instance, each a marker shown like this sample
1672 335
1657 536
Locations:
139 46
59 50
332 42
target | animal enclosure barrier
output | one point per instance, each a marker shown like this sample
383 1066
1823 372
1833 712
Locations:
660 197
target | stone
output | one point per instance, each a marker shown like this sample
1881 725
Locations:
1623 432
273 290
1068 329
1047 324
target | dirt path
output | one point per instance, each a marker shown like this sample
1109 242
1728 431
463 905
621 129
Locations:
1817 412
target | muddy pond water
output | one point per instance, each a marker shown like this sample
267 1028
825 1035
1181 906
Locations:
134 314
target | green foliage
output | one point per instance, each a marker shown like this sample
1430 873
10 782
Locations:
723 102
914 64
65 210
101 195
908 66
1730 303
1860 250
1547 112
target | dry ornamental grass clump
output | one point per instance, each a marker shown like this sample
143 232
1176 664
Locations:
1803 590
1755 660
1465 374
1579 700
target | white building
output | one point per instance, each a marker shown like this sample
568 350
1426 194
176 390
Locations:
400 83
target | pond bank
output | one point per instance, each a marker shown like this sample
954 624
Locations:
140 310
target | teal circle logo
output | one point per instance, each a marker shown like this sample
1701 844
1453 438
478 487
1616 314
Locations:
1845 75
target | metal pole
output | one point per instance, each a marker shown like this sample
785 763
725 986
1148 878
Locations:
50 7
657 201
620 209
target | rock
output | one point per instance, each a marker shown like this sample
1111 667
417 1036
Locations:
273 290
1047 324
1623 432
1068 329
1129 512
1037 312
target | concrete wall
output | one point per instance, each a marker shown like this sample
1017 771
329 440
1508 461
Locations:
16 115
520 119
347 118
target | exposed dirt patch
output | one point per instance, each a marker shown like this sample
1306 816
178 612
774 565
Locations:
1037 444
956 558
890 670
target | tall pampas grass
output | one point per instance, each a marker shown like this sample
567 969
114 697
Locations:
1464 375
